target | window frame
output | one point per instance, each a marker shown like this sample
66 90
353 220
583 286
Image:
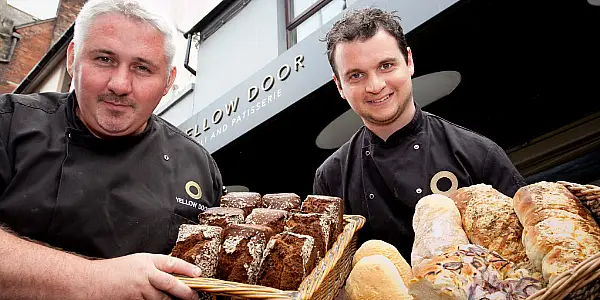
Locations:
291 23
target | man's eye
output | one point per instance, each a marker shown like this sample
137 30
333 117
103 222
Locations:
143 69
103 59
386 66
355 76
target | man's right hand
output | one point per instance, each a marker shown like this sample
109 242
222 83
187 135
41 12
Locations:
142 276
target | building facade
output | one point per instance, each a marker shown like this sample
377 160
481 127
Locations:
265 105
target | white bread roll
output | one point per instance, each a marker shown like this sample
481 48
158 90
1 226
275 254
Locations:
373 247
471 272
559 232
489 220
375 278
437 227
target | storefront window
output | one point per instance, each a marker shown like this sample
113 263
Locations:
306 16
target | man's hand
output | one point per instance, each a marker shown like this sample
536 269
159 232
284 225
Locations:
143 276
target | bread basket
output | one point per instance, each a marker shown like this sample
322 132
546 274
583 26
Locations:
324 282
583 281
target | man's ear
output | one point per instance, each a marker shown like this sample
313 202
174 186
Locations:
70 58
410 62
338 84
172 76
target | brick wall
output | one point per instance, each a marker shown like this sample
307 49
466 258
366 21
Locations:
65 16
34 42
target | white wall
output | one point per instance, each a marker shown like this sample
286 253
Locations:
55 79
184 14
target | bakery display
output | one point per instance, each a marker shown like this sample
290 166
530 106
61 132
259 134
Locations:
374 247
475 244
559 232
241 252
246 201
438 227
489 220
221 216
199 245
288 258
283 201
375 277
273 218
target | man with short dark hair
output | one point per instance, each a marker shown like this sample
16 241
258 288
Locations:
402 153
94 173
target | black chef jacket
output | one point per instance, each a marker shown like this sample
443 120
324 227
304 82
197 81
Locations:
61 185
383 180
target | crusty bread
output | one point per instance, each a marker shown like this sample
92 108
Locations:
375 278
489 220
373 247
559 232
470 272
437 227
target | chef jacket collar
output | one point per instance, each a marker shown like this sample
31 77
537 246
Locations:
409 129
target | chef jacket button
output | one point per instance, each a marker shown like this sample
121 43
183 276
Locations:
419 191
367 153
371 196
166 157
416 146
69 135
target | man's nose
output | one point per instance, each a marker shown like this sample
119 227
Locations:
375 84
120 81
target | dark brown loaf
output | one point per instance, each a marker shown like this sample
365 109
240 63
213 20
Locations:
242 251
312 224
199 245
247 201
221 216
283 201
489 220
333 206
287 260
273 218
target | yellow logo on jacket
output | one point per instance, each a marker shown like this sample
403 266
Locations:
444 174
193 190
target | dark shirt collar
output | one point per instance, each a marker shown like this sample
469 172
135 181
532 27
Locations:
409 129
81 134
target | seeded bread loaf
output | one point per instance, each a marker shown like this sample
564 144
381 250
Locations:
489 220
437 227
559 232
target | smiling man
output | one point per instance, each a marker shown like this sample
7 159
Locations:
402 153
95 174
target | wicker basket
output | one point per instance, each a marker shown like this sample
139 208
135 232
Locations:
324 282
583 281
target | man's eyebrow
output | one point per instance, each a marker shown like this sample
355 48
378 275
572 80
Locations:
146 62
390 59
103 51
351 71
